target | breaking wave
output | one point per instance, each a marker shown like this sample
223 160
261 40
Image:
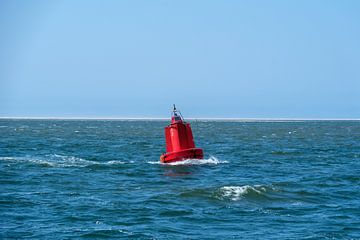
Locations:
210 161
55 160
236 193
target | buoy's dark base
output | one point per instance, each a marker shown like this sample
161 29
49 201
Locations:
191 153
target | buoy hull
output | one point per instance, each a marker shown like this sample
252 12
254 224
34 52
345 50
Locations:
191 153
179 139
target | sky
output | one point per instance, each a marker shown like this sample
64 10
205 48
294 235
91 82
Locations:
221 59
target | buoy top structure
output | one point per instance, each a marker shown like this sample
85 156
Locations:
179 140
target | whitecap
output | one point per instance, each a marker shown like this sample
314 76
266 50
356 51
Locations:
154 162
210 161
7 158
296 203
69 161
114 162
28 159
236 193
56 160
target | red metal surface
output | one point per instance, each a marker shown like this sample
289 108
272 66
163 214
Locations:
179 141
192 153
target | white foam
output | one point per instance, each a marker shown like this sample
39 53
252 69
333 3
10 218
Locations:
69 161
6 158
56 160
114 162
210 161
236 193
28 159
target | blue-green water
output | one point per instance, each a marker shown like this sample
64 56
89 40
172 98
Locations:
63 179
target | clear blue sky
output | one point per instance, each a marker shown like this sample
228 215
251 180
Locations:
213 58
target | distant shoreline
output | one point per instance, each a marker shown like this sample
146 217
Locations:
189 118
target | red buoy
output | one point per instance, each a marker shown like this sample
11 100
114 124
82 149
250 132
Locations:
179 141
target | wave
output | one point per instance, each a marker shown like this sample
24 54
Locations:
56 160
233 193
30 160
210 161
236 193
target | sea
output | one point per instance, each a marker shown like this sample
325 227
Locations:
94 179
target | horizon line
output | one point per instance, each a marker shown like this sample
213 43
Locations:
189 118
